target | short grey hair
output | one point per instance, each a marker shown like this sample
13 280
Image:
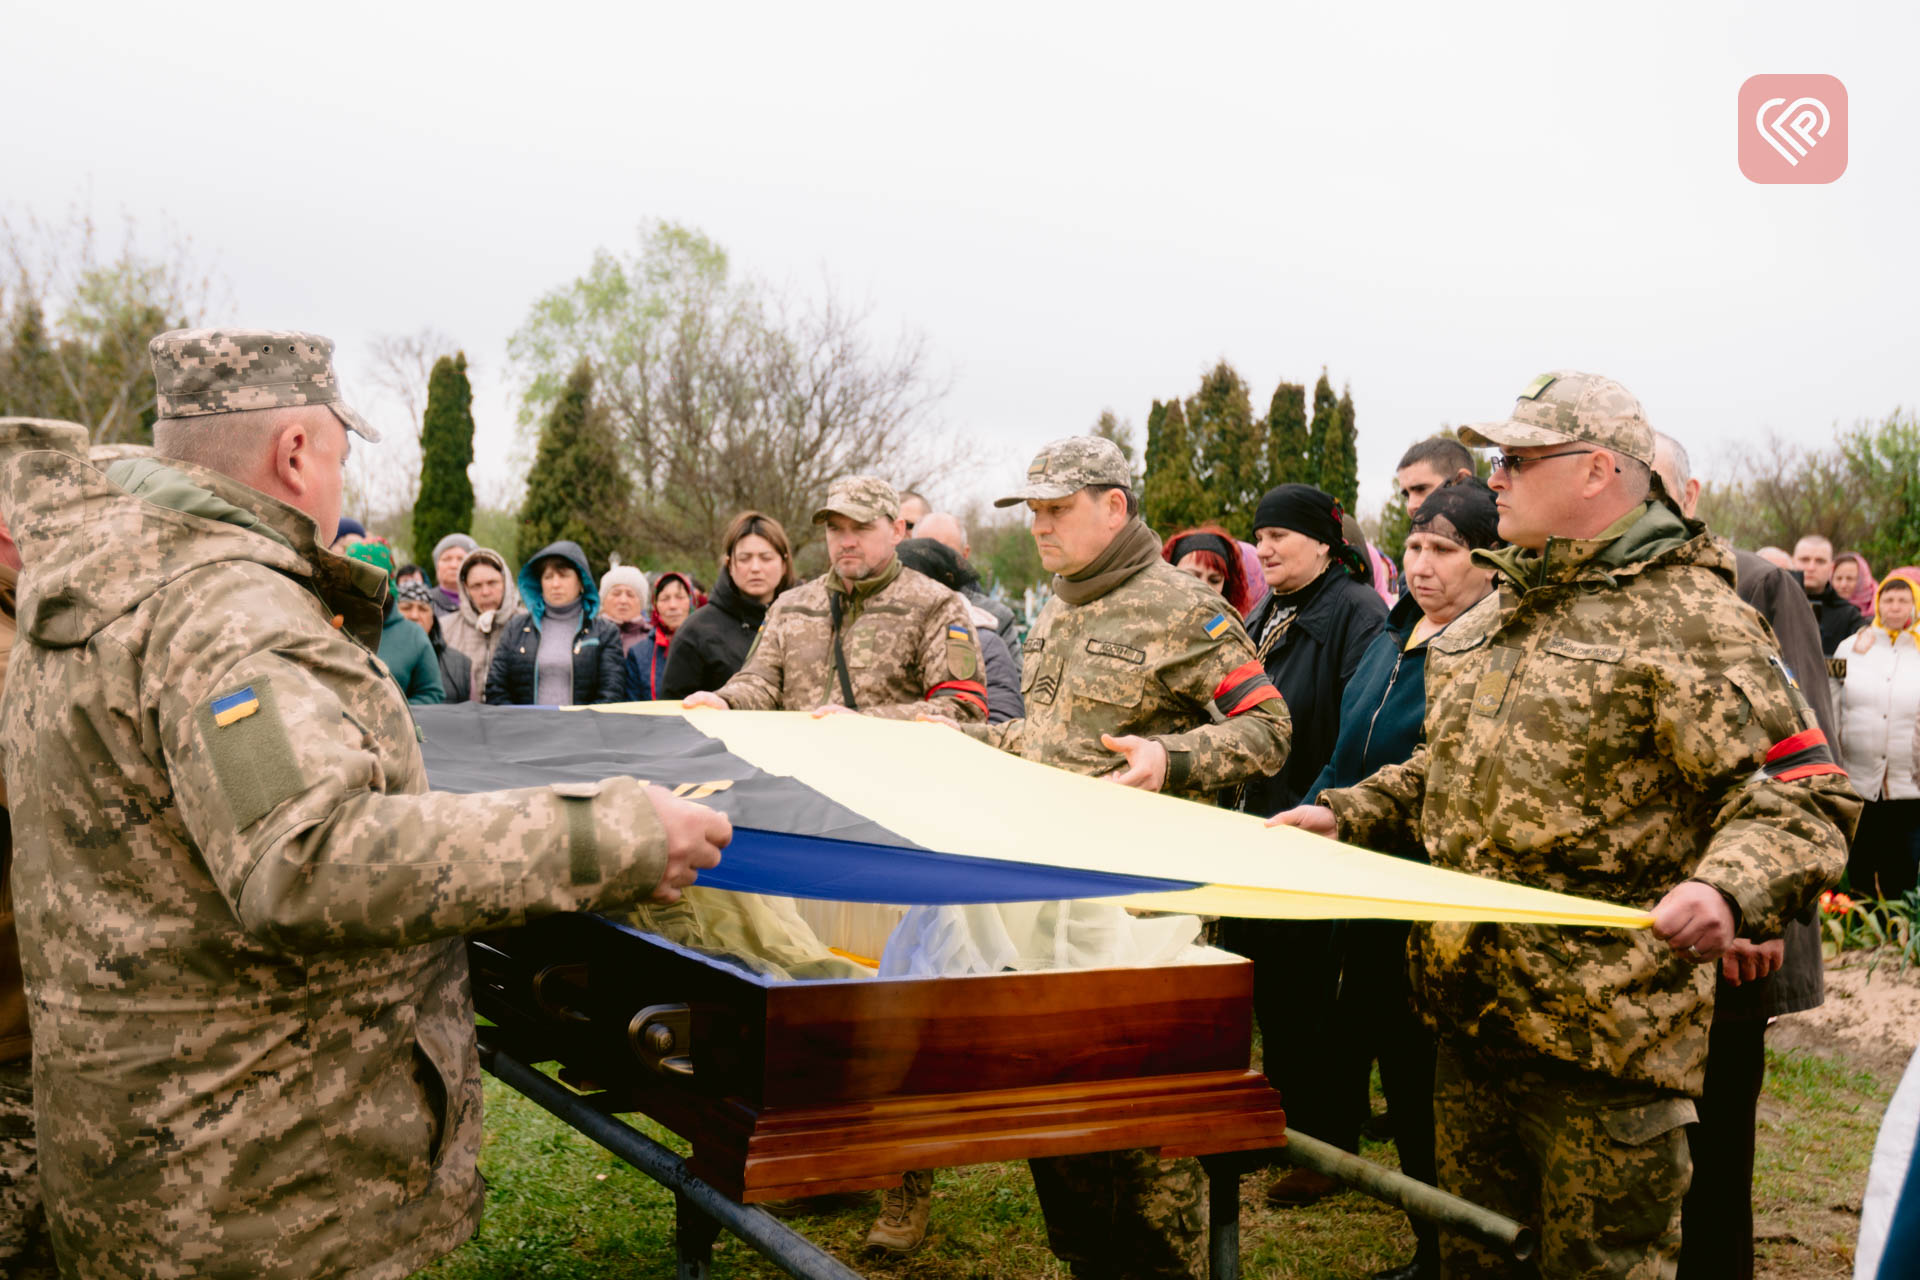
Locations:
1682 464
1636 477
230 443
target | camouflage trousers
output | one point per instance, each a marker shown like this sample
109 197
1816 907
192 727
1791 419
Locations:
1597 1166
26 1252
1117 1215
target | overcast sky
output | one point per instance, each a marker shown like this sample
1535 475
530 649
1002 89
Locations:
1080 207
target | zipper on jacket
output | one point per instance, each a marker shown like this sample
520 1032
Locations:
1366 750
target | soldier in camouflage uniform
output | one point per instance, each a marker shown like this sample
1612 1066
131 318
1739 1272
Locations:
1611 722
869 634
239 908
26 1252
1137 672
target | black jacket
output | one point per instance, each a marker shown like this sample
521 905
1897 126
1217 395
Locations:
599 673
1310 665
1837 617
456 668
712 644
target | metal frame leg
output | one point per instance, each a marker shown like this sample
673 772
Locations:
693 1236
1223 1219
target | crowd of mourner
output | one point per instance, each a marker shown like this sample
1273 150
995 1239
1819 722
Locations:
1566 681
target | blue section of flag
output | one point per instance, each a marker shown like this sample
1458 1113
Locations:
797 866
956 631
234 706
1217 625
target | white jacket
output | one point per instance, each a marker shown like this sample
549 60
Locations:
1878 707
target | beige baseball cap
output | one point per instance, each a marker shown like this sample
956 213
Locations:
202 371
861 498
1567 406
1063 468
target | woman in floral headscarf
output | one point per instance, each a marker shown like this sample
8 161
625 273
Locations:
1876 677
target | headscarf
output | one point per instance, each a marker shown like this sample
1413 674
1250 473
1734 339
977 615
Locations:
377 554
663 634
1314 513
415 590
1866 588
1461 513
1910 578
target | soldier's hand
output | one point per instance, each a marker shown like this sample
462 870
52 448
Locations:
695 837
1750 961
704 699
832 709
1695 921
1308 817
934 717
1146 766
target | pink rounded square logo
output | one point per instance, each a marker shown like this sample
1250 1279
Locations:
1793 129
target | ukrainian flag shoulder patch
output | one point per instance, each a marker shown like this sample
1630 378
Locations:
957 632
230 707
1217 626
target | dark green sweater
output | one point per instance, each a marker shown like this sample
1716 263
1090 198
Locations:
405 649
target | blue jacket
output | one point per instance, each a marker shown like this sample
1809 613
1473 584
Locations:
1383 711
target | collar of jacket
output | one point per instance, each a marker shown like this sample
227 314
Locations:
1643 535
1132 549
1316 604
737 604
865 589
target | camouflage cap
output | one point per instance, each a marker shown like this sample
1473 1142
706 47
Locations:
201 371
861 498
1065 467
1564 406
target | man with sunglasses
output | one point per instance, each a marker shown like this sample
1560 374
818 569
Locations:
1610 721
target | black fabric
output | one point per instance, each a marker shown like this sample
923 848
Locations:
1192 542
1837 617
712 644
936 560
1716 1218
456 668
840 656
1376 1019
1311 665
599 674
1303 509
1468 508
1882 861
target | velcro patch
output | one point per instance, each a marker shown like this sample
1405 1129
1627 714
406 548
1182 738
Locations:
234 706
1126 653
1538 385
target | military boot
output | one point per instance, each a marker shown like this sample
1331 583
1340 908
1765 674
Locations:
902 1225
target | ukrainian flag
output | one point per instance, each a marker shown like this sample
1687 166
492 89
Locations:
854 809
234 706
1218 626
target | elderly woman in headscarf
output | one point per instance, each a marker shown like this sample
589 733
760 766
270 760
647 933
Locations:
674 598
488 600
414 599
1853 579
1382 719
1310 630
1876 675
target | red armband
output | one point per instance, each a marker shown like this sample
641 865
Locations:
1804 755
1243 689
971 690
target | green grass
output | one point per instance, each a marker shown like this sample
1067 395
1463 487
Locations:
559 1206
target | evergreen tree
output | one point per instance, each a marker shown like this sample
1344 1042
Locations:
1151 455
1232 449
1395 525
1111 427
1340 463
1322 433
445 503
576 489
1287 441
1172 496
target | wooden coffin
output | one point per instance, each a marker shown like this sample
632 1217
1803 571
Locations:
789 1088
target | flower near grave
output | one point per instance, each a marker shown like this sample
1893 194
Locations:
1835 904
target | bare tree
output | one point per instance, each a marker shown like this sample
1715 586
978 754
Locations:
78 316
728 394
382 480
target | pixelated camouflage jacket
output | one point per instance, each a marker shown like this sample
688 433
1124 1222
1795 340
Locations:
1609 722
1160 655
239 911
908 641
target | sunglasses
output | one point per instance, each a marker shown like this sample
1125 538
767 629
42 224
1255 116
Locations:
1511 463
